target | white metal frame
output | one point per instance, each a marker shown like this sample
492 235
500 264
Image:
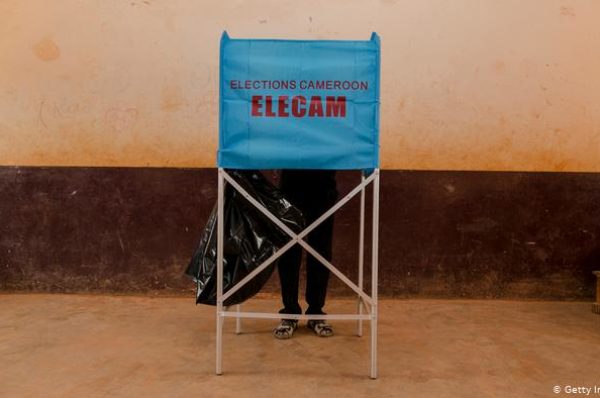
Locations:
366 302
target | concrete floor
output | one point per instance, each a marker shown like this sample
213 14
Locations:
118 346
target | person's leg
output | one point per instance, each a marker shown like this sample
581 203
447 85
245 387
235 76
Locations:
289 271
289 275
317 275
289 263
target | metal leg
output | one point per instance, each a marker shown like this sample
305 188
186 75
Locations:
238 320
361 256
219 342
374 276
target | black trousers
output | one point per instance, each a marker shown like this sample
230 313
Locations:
313 192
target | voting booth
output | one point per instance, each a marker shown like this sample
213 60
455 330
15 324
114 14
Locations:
301 104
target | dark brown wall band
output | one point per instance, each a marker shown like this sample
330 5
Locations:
443 234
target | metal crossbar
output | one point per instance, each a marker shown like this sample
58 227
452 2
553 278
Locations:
269 315
297 238
369 303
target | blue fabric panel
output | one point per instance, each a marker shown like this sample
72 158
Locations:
299 104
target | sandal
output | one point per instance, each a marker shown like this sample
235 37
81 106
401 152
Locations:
320 327
285 330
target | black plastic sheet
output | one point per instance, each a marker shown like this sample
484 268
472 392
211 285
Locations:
249 239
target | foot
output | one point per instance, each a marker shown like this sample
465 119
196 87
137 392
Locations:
320 327
285 330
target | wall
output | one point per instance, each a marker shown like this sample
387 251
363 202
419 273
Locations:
443 234
467 84
494 106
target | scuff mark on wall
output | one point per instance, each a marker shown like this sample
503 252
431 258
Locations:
41 113
172 98
121 120
567 11
46 49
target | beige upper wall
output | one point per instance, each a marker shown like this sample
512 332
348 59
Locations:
466 84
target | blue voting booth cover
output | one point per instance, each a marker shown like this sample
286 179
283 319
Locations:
299 104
